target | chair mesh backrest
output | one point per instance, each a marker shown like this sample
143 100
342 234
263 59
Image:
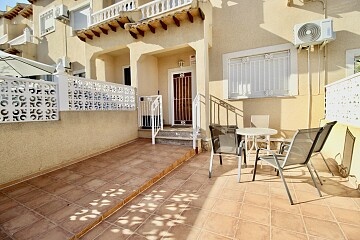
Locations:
323 136
302 146
224 139
260 121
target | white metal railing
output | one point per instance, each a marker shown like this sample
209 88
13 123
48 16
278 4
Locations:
4 39
112 11
88 94
22 39
150 114
158 7
342 100
196 118
25 100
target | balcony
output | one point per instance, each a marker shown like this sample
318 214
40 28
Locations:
22 39
148 17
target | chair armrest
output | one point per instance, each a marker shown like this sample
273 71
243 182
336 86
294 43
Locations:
274 155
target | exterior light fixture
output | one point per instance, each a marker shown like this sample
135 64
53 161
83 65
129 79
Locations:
181 63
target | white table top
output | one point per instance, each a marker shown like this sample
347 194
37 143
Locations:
256 131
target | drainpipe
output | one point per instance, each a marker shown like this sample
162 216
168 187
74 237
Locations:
309 89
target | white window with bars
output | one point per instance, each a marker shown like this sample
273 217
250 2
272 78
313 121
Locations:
262 72
47 22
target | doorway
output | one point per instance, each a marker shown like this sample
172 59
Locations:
182 98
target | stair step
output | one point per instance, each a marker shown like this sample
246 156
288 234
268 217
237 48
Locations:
174 138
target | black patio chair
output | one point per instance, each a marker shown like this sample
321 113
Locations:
225 141
297 155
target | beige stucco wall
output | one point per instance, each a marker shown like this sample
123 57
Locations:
120 62
33 147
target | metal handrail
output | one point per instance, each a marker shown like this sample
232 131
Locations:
217 106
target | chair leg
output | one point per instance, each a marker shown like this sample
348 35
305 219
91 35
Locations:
211 162
326 164
317 174
220 159
312 176
255 164
239 167
244 157
286 186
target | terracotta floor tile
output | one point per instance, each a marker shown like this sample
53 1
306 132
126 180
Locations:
96 231
257 199
163 193
194 217
60 174
351 232
11 213
86 170
227 207
41 181
30 195
64 213
52 206
322 228
346 216
136 237
173 183
255 214
221 224
317 211
203 202
23 220
182 232
90 199
73 177
74 194
131 220
230 194
155 227
59 187
6 204
206 235
78 221
171 210
342 202
94 184
113 190
283 204
114 233
40 200
18 189
34 229
56 233
281 234
288 221
252 230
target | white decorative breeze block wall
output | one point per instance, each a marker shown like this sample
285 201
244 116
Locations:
24 100
343 100
87 94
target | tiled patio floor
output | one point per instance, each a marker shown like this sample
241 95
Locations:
185 204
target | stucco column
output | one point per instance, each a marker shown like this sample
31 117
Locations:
202 81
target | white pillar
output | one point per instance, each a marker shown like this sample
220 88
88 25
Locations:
61 78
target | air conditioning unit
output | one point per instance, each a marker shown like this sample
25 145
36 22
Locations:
313 33
61 12
65 62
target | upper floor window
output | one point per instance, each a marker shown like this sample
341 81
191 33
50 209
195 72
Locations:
47 22
79 18
262 72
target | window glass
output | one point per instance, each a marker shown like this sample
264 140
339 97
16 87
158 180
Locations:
80 18
357 64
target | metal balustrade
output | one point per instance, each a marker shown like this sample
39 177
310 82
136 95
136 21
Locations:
158 7
25 100
342 100
88 94
112 11
22 39
150 114
196 118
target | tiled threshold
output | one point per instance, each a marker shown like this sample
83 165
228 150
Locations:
68 202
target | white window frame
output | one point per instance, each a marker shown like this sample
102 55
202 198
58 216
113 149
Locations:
293 79
71 15
43 33
350 58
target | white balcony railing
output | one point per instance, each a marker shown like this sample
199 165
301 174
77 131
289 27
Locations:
112 11
4 39
158 7
342 100
22 39
88 94
24 100
150 114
